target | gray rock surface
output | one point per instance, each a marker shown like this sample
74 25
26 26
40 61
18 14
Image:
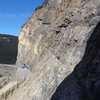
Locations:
52 43
86 74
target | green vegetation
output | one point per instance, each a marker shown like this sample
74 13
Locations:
4 83
1 87
8 49
17 85
10 91
1 75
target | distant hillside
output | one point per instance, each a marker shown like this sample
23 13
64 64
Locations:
8 49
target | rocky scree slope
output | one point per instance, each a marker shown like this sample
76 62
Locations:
8 49
60 41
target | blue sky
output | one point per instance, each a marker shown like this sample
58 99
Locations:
15 13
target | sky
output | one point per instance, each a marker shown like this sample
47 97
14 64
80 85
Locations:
15 13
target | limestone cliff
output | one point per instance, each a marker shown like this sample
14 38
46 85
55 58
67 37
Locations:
62 35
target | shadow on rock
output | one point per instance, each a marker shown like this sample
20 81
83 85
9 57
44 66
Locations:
84 82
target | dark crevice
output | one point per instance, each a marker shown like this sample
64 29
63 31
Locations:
46 23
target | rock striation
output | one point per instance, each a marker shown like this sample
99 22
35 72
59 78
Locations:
60 41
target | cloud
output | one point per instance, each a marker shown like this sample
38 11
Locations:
12 15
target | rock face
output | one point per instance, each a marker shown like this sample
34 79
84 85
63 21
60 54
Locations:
62 35
84 81
8 49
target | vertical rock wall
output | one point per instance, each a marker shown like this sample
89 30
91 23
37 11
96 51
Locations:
52 43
